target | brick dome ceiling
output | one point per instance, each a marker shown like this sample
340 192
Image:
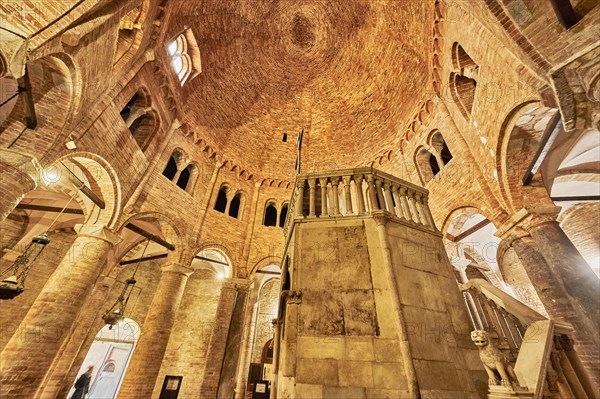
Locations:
350 72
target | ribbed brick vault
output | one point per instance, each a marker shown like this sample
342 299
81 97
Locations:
350 73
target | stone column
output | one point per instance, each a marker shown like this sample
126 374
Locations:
404 204
299 200
144 367
335 181
372 194
72 354
379 192
360 200
348 195
565 284
388 197
323 190
246 347
18 175
28 356
311 198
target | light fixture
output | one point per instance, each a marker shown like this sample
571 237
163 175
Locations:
71 143
13 283
220 276
116 313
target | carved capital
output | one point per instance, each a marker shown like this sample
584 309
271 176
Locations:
292 297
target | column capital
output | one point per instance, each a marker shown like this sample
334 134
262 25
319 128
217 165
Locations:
99 232
519 225
312 182
381 217
177 268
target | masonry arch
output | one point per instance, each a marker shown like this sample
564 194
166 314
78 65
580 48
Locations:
130 33
91 174
54 95
520 139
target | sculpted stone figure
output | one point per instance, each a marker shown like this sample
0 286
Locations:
494 361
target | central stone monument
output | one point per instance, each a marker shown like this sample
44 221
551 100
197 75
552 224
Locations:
370 306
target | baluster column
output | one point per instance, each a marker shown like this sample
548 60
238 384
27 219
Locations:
335 181
311 199
360 199
413 207
347 194
299 199
404 204
396 198
420 210
323 189
388 197
372 194
379 192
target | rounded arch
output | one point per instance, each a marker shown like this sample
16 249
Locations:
167 227
215 258
518 142
130 33
99 177
56 93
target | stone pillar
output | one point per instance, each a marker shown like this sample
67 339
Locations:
18 175
388 197
347 194
335 181
565 284
311 198
246 347
372 194
147 357
360 200
27 358
323 190
72 354
404 204
299 200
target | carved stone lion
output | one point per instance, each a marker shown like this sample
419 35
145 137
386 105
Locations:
494 361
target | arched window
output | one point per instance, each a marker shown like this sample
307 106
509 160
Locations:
438 142
234 207
185 56
139 118
283 215
171 168
426 164
270 215
463 81
184 178
221 203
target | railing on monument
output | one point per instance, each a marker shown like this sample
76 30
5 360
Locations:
358 192
541 350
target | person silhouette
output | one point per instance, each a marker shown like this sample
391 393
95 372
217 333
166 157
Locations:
82 385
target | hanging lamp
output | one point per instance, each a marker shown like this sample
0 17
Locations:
13 282
116 313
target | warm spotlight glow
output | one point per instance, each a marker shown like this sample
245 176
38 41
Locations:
220 276
51 175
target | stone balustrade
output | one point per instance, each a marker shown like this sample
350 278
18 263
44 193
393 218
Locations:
357 193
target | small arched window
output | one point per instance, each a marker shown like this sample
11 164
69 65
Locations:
221 202
270 215
184 178
234 207
185 56
171 168
463 81
283 215
139 118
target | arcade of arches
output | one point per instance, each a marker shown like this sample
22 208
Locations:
155 143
